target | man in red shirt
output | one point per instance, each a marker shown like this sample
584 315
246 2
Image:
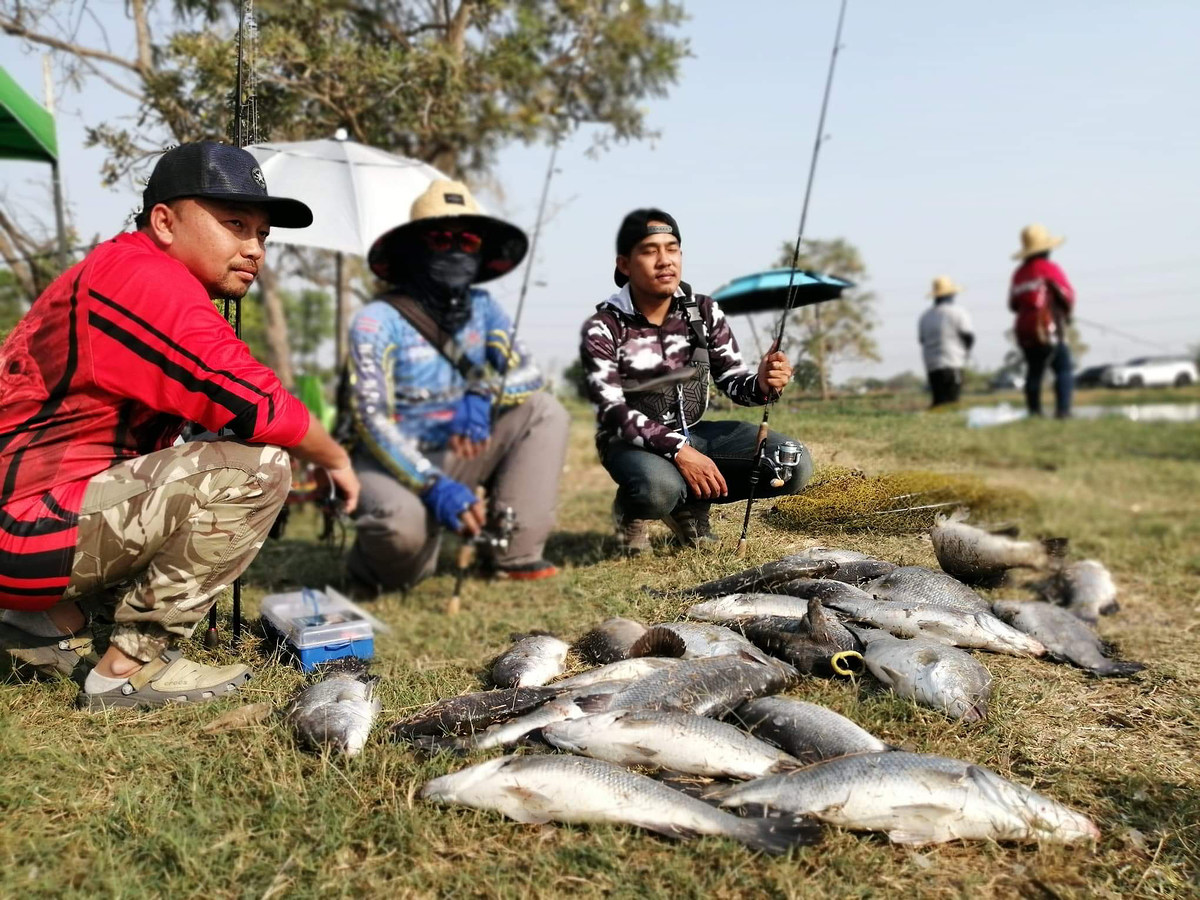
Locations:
96 383
1043 300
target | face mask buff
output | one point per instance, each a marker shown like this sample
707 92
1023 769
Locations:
443 285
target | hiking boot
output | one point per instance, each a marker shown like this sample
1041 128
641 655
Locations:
634 534
49 656
169 679
690 524
531 571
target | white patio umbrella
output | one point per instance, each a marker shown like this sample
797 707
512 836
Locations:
356 193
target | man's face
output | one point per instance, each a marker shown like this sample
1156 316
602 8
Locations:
220 243
654 266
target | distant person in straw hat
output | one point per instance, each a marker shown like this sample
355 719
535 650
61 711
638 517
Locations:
944 331
1043 300
426 362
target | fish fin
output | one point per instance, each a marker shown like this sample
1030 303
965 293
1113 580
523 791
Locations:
1118 668
1112 607
778 834
432 744
896 677
646 753
521 814
1007 529
658 641
593 703
1056 547
781 766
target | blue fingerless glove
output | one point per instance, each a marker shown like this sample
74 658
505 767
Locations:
473 417
448 499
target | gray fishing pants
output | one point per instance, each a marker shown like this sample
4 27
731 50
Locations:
398 540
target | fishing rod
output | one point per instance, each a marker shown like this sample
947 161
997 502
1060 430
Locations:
507 523
793 288
245 131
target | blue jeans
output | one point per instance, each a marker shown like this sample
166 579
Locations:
1059 358
650 487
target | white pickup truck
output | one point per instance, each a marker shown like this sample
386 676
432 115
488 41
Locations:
1153 371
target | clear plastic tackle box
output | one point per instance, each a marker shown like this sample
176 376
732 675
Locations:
317 626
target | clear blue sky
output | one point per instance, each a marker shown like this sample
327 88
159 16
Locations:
951 126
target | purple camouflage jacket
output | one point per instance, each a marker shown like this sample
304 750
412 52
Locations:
619 345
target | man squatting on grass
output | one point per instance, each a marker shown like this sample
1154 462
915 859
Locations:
667 463
97 382
420 398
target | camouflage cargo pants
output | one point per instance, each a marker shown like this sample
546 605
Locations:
163 534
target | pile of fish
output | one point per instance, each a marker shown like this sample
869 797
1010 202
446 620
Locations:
681 728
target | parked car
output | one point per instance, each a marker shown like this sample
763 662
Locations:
1153 371
1007 380
1092 376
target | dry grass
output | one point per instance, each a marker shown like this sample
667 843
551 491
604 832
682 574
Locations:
146 804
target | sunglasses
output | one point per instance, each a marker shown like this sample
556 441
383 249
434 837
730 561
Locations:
444 241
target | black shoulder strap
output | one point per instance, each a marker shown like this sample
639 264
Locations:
443 342
699 340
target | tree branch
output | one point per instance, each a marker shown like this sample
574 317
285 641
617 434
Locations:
16 29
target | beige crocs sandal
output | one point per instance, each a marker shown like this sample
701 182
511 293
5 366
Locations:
170 679
46 655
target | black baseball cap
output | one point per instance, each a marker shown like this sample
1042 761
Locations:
635 227
218 171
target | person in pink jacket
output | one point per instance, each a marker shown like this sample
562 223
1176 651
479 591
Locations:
1044 301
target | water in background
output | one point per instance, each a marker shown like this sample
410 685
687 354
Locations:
1003 413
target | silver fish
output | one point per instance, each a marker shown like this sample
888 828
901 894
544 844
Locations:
916 799
744 606
932 673
1065 636
1087 588
530 662
822 589
674 741
564 707
702 686
610 641
816 644
979 630
622 670
561 788
336 712
927 586
807 731
976 556
694 640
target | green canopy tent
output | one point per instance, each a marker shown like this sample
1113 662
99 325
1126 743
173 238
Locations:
27 132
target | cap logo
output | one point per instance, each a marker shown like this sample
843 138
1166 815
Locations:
456 199
659 229
257 175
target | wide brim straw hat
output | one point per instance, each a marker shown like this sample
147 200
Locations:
944 286
1036 239
449 203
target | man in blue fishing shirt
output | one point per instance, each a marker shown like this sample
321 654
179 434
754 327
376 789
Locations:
429 357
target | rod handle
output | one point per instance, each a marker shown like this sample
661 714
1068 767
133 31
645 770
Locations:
741 548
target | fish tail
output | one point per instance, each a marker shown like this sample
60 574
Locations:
1056 547
1119 668
775 834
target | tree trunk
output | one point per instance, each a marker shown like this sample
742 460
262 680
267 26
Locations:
276 327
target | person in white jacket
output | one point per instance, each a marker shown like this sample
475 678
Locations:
946 339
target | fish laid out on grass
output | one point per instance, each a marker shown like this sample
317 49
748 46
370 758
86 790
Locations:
762 578
1066 636
610 641
854 567
472 713
1086 588
822 589
916 798
931 673
977 630
817 644
622 670
673 741
336 712
694 640
808 732
976 556
562 788
530 662
926 586
745 606
706 687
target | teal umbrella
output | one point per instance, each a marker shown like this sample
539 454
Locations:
769 290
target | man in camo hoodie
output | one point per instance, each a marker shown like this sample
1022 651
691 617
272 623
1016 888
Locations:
648 352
